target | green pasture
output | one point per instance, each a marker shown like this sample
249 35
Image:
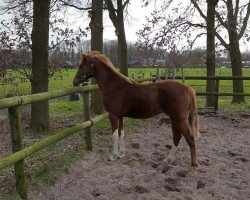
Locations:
63 79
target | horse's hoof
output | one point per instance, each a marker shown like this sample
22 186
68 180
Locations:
169 160
121 155
193 168
112 157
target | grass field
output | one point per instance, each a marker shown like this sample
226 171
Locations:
63 79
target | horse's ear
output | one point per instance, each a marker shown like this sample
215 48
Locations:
83 57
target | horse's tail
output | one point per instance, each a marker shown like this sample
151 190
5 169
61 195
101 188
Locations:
193 118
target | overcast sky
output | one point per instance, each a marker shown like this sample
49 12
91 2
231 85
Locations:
133 23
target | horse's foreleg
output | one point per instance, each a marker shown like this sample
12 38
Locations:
114 124
121 146
176 140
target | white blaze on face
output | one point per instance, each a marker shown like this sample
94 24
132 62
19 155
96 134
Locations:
171 155
121 145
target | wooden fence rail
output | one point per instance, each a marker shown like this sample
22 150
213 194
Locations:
209 77
17 156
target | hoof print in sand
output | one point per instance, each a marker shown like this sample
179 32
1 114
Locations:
206 162
96 193
165 169
242 159
168 146
182 174
140 189
232 154
200 184
154 165
172 185
135 145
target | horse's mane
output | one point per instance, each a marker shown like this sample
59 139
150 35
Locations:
104 59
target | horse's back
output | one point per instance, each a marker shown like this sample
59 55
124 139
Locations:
148 100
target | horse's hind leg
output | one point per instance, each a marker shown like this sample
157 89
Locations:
190 140
176 140
186 132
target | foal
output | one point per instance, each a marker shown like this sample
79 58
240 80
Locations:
124 97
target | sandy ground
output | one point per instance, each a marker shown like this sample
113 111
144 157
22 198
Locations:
223 173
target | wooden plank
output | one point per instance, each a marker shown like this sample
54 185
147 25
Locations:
86 105
13 158
211 77
17 145
216 102
23 100
221 94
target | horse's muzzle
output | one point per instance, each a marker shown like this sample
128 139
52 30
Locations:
76 81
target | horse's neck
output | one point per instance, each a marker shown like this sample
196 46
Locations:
107 78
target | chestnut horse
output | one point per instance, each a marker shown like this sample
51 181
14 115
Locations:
123 97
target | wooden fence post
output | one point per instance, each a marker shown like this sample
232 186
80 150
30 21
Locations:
88 137
216 97
17 145
182 74
158 73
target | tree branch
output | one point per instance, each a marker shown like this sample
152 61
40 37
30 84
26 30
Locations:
112 12
221 40
236 8
125 4
244 26
221 20
64 3
199 10
196 25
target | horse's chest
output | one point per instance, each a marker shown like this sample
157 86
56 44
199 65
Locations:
113 104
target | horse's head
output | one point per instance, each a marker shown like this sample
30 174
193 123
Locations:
86 69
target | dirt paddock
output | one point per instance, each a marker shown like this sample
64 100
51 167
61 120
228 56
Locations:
223 173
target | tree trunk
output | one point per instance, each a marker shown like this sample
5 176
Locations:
235 54
116 16
96 26
122 43
236 63
210 60
39 83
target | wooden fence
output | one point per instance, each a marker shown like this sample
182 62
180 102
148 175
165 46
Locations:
217 93
13 104
19 153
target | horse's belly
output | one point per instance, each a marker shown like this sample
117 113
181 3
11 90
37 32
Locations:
142 113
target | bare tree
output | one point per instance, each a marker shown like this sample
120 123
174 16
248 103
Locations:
231 23
96 26
35 16
40 39
235 21
210 60
117 17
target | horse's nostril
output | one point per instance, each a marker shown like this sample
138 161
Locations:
75 82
